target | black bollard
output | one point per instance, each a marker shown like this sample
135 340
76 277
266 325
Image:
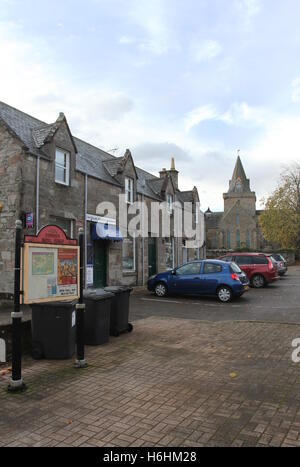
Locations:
80 310
16 382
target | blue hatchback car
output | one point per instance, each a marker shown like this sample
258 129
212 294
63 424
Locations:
207 277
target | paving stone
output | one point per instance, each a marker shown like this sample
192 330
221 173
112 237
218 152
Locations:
166 384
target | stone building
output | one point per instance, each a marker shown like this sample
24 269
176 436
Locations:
237 226
48 176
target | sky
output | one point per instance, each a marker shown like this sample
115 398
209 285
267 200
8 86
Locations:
191 79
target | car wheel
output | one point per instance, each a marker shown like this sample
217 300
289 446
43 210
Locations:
258 281
160 290
224 294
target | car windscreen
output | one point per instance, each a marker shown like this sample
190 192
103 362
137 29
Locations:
235 269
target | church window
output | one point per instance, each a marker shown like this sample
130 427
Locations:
248 239
238 239
228 240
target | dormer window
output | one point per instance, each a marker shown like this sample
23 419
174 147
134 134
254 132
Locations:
129 190
62 167
169 203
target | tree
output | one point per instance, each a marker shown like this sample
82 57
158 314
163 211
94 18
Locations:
280 222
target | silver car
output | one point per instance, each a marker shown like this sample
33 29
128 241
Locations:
281 263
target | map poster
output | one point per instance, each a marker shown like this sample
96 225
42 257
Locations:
42 263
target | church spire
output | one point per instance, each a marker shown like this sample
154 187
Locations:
239 182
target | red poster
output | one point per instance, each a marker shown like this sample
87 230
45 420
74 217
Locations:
67 267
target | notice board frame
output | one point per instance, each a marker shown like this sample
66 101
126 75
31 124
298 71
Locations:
49 237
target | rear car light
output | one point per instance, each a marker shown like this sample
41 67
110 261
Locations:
271 267
235 277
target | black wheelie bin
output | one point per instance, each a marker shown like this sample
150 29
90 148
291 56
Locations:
119 315
97 316
53 327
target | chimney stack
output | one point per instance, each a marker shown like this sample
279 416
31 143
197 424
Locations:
174 173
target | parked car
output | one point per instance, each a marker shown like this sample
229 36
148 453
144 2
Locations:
260 268
281 262
207 277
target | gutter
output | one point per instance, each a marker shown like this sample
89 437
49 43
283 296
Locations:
37 200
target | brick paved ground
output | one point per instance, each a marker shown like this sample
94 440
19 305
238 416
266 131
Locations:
166 384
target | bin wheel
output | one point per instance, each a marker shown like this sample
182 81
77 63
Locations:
115 333
130 327
37 351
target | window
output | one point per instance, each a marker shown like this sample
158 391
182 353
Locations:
228 240
62 167
189 269
244 260
211 268
238 239
128 255
260 260
129 190
248 239
235 269
169 203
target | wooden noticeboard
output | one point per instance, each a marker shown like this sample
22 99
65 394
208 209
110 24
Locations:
51 267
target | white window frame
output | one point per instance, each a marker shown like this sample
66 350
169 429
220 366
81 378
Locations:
65 167
129 189
134 257
169 203
197 215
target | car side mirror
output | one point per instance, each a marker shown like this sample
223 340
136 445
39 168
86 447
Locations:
173 272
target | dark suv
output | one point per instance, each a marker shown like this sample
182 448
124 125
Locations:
261 269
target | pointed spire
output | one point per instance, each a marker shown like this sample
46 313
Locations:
239 181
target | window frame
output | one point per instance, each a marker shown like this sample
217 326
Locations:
133 270
190 265
129 190
65 167
169 204
212 264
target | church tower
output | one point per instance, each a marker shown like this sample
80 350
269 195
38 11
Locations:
239 222
239 191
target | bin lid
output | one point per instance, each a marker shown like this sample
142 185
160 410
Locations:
62 304
97 294
117 289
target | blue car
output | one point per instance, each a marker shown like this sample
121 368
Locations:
207 277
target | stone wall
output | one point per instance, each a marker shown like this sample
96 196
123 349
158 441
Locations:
11 190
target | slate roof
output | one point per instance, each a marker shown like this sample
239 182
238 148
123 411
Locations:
22 125
186 196
156 185
90 160
143 185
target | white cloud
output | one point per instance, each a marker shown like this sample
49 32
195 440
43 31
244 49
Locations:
199 115
152 17
205 50
248 10
242 114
